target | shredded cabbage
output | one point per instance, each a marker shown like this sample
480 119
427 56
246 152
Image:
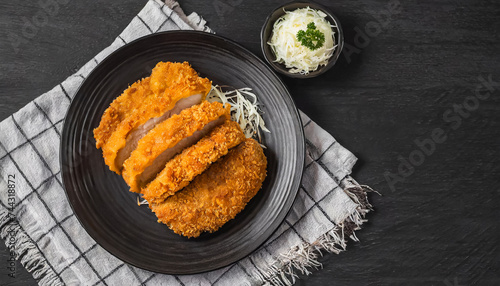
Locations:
244 109
141 201
289 51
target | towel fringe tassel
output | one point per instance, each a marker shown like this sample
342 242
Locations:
304 258
23 247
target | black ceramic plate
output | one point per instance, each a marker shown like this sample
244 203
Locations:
100 198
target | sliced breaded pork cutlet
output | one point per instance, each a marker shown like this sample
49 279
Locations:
191 162
168 138
172 88
217 195
120 109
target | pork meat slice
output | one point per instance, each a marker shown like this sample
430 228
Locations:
218 194
135 135
121 108
185 166
169 138
178 81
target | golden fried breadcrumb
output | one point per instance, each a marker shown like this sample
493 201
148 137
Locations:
120 109
179 171
177 79
169 82
217 195
166 135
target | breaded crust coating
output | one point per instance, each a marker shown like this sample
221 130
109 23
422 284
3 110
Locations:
217 195
169 78
179 171
120 109
169 82
166 135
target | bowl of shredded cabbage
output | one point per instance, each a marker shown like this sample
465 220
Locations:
301 39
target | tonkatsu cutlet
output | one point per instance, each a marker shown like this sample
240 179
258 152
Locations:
168 138
217 195
182 153
120 109
191 162
171 88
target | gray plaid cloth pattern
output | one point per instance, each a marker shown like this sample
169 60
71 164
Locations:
38 225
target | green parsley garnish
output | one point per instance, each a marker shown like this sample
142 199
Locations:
311 38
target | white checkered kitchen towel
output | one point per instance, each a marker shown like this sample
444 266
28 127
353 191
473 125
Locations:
39 227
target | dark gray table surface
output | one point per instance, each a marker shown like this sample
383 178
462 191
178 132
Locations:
413 74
